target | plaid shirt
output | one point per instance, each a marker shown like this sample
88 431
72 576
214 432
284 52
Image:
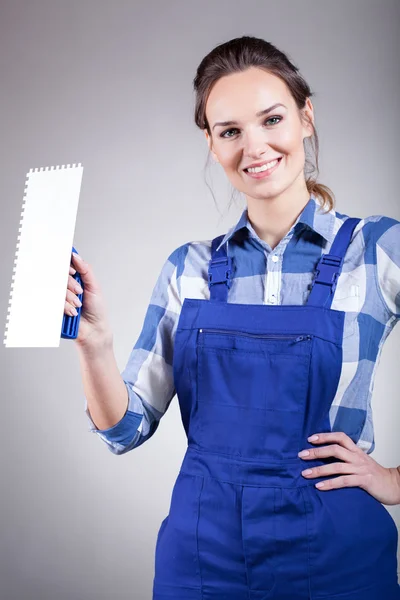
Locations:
368 290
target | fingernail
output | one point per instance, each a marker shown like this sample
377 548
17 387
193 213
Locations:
304 453
313 438
77 256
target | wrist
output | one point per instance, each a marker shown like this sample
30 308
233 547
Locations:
96 344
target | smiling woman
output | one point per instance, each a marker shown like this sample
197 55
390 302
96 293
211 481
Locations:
254 381
268 334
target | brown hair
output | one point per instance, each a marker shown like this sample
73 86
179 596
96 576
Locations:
240 54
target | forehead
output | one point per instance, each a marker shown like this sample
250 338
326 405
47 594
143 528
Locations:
245 93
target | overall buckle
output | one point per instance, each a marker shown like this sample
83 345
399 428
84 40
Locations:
327 270
220 271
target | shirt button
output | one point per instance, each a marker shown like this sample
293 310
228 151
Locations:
275 258
272 300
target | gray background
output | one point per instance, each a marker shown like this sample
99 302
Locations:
109 84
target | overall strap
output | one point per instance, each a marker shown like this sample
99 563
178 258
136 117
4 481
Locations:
219 271
330 265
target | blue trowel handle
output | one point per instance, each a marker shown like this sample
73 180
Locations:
70 324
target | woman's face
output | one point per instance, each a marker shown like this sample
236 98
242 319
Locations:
251 138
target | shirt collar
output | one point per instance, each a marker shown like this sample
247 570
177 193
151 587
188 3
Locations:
320 222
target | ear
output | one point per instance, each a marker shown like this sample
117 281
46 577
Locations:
308 111
208 138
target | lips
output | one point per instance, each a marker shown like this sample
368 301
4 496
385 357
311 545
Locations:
261 175
262 164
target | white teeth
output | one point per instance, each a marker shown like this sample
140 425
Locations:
263 168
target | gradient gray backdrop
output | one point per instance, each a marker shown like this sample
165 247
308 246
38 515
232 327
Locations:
109 84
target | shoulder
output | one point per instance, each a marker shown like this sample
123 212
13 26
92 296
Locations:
187 269
190 257
374 229
371 226
381 237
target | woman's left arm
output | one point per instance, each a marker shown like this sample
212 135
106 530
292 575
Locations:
387 263
387 267
358 468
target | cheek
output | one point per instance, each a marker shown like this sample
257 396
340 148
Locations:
289 138
298 155
228 156
292 146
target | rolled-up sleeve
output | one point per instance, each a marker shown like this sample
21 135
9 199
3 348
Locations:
148 374
388 263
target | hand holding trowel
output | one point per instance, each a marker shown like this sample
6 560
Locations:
84 313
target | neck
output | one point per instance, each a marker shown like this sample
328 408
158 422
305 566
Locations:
272 218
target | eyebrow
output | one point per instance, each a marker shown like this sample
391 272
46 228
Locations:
259 114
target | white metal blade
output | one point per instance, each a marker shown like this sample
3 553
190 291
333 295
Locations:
43 257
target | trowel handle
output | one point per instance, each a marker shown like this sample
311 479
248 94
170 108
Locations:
70 324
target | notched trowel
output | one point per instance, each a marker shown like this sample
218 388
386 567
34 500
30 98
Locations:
36 316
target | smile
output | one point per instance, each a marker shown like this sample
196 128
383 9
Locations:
263 172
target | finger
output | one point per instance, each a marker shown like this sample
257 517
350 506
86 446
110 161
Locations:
77 260
72 271
70 310
74 286
332 469
325 451
73 299
334 436
339 482
82 267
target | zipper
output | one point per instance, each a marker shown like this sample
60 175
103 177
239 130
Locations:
268 336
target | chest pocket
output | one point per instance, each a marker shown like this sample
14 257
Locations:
347 298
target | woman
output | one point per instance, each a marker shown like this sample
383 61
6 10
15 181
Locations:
268 334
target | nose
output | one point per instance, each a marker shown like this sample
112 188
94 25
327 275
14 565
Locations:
255 144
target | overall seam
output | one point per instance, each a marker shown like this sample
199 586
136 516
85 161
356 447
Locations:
308 543
197 537
244 552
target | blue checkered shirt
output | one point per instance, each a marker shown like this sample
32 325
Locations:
368 290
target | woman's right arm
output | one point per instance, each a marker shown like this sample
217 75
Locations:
105 390
125 408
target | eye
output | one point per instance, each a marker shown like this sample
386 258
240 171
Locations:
234 128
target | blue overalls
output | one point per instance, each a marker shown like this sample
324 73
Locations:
253 382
